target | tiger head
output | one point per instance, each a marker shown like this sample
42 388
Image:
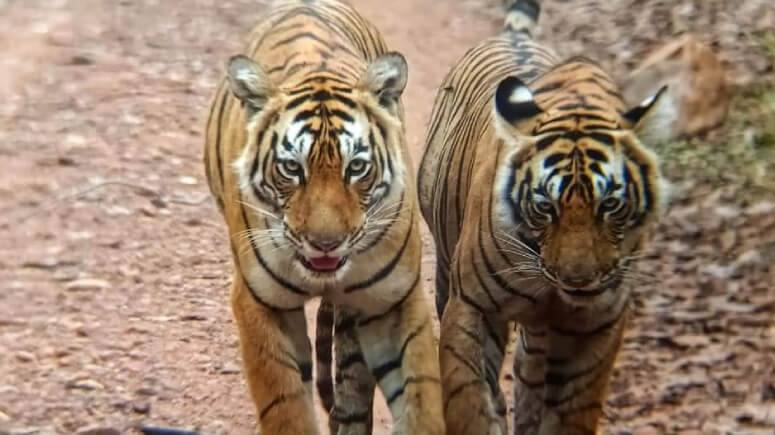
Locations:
575 184
322 161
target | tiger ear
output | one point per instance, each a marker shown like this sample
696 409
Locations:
514 103
248 82
652 120
385 78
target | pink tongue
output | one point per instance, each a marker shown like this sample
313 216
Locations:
324 263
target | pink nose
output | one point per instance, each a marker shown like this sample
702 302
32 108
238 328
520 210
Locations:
325 245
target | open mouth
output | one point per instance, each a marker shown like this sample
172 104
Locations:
323 264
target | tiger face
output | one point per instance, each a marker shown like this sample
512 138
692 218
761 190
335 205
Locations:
577 186
322 161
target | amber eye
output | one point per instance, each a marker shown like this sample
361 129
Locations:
610 204
289 167
544 206
357 167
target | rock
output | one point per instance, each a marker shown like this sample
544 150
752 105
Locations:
767 393
98 430
718 271
229 369
761 209
25 357
751 258
85 385
146 391
141 406
695 78
87 284
45 264
727 240
187 180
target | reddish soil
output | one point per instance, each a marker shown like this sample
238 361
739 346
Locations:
114 267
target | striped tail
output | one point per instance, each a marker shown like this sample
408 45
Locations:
324 336
522 16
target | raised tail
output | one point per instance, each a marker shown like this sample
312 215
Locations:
521 16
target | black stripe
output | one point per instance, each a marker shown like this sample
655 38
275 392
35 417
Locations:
279 400
395 306
306 371
602 138
339 416
383 369
410 380
583 333
553 159
277 278
218 136
544 142
350 360
597 155
497 278
385 271
300 36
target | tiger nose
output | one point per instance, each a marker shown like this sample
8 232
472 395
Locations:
325 244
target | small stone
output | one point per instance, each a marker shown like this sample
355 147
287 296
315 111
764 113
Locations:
727 212
761 209
117 210
23 356
46 264
727 240
750 258
147 212
80 59
189 181
718 271
87 284
141 407
63 275
229 369
768 392
146 391
98 430
85 385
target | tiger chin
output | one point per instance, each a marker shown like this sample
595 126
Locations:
540 191
306 158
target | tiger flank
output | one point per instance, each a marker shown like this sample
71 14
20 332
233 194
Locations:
539 189
306 158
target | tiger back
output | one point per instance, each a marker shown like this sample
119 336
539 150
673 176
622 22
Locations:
539 190
306 158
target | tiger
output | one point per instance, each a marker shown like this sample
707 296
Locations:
540 191
306 159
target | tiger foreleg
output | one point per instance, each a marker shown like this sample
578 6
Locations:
401 353
276 360
354 386
472 401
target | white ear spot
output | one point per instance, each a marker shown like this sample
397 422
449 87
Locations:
649 100
521 95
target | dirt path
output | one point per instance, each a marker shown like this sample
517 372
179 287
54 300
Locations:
113 301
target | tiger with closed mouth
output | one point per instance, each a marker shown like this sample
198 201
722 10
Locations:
539 189
306 157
